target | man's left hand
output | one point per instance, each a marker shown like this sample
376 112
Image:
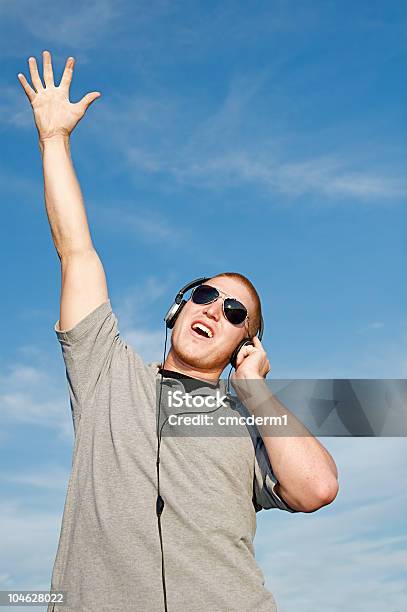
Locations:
252 362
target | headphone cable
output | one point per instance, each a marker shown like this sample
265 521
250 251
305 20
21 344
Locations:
160 501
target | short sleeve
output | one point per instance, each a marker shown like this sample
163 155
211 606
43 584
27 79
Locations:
264 494
87 349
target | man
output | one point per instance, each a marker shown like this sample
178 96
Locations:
119 549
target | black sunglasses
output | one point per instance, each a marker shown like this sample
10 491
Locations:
233 310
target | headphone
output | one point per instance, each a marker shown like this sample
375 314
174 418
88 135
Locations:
179 304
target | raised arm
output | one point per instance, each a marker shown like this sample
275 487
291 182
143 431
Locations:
83 286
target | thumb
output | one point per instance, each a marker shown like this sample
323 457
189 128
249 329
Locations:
88 99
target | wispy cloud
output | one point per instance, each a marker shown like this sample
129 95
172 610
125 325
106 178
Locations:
333 177
51 477
133 304
80 26
15 109
214 150
220 145
29 541
132 309
33 391
376 358
325 176
35 396
149 344
351 556
149 226
19 190
374 325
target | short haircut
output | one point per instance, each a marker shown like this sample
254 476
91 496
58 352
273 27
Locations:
254 321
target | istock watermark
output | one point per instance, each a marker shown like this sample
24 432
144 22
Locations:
283 407
177 399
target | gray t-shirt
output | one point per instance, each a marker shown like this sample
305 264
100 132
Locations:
109 555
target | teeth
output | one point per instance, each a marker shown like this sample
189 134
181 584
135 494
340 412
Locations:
204 329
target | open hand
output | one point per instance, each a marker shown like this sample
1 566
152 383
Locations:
54 114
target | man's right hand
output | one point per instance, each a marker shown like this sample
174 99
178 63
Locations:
54 114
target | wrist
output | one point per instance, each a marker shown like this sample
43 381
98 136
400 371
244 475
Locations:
56 142
251 391
54 138
249 376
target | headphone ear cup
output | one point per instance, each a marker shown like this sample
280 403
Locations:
173 313
244 342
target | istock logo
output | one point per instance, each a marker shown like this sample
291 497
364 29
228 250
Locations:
177 399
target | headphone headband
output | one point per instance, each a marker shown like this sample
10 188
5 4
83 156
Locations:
188 286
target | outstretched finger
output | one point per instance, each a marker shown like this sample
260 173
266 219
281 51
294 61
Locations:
48 72
28 90
67 76
35 77
87 100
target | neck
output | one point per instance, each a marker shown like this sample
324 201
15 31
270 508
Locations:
176 364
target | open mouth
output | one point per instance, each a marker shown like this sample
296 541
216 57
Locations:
202 330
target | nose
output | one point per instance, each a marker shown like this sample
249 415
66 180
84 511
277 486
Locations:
213 310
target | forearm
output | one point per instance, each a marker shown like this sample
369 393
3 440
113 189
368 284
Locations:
304 468
63 198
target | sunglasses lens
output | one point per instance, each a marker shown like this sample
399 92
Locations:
204 294
235 312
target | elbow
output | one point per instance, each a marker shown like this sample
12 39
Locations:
330 492
324 496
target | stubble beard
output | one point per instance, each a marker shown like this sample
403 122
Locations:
208 360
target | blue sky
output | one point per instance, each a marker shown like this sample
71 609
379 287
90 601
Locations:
266 138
